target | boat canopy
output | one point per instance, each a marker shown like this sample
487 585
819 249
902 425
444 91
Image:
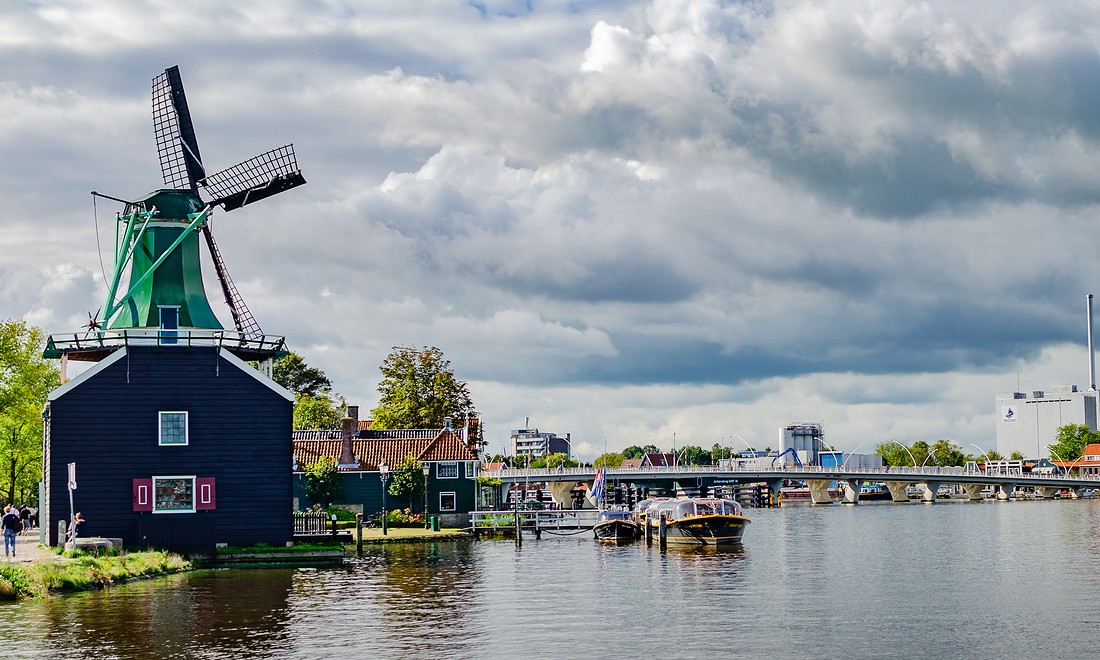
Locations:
688 507
609 514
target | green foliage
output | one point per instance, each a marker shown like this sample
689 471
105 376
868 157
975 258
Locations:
406 518
610 459
893 453
419 390
407 480
946 453
488 481
693 455
292 372
316 412
84 571
634 451
993 455
26 379
553 461
720 453
1070 441
323 480
1017 456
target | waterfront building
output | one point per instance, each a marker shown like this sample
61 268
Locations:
1028 422
449 454
806 440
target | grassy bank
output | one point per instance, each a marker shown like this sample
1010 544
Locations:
83 571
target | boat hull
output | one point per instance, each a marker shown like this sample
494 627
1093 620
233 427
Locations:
704 530
617 530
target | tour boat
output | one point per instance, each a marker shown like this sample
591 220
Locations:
698 520
612 525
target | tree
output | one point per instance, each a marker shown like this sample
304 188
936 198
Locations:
1016 456
316 412
946 453
322 481
292 372
993 455
407 480
893 453
554 460
693 455
631 452
26 379
1070 441
610 459
419 390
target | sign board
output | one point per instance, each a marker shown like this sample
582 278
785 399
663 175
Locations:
72 476
1008 415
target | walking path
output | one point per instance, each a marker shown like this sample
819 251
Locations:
27 550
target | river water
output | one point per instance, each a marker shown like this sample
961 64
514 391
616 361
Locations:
878 580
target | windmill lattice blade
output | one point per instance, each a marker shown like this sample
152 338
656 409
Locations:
177 147
245 323
256 178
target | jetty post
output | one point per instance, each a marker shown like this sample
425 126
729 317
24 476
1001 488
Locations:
663 531
359 535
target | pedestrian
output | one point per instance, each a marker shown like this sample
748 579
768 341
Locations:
12 526
25 517
78 520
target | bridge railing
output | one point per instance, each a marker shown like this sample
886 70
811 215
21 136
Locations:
583 474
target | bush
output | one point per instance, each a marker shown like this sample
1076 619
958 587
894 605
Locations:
406 518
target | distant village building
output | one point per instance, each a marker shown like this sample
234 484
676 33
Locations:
531 442
449 454
1028 422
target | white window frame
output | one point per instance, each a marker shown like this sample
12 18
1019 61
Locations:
186 428
194 495
454 502
471 469
449 464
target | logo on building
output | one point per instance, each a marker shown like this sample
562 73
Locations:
1008 414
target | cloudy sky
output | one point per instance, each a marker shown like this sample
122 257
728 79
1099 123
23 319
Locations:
622 220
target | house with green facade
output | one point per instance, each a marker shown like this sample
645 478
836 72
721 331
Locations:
448 455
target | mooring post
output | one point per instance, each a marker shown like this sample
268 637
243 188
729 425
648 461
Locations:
648 531
664 531
519 535
359 535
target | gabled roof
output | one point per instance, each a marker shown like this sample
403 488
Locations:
658 460
632 463
389 447
1091 450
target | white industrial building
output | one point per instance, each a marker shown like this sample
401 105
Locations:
1027 422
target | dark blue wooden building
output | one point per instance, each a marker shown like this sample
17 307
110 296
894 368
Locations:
176 447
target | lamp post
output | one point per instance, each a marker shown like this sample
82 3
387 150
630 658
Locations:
842 465
427 470
384 476
987 459
911 453
931 453
1064 463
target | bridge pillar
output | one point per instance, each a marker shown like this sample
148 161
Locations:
1006 491
560 493
774 492
973 492
1047 492
930 490
851 491
897 491
819 491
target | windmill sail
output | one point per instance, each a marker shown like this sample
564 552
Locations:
177 146
257 178
243 320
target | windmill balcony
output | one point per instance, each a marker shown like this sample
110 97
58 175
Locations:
95 345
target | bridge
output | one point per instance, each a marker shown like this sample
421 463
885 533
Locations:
693 480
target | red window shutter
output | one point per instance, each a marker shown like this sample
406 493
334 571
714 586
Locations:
143 494
204 494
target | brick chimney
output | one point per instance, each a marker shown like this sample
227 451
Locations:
349 428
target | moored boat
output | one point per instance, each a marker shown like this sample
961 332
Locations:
698 520
614 525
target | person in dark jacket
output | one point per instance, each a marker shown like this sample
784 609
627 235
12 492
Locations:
12 526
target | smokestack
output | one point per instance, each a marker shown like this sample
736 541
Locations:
1092 353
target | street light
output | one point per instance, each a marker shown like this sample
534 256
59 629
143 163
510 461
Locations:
384 476
849 456
988 460
1064 466
911 457
427 470
931 453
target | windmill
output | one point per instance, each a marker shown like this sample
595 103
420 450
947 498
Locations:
159 233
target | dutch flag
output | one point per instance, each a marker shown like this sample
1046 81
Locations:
598 487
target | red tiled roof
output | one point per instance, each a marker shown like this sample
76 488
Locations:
391 449
632 463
